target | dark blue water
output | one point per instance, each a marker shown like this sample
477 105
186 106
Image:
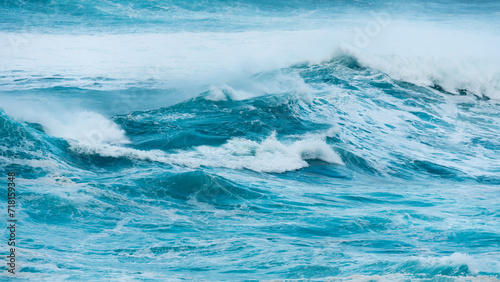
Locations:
245 141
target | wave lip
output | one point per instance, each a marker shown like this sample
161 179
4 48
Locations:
457 76
270 155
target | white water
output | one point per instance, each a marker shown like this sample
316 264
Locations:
456 57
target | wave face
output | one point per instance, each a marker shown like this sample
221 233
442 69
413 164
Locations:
229 140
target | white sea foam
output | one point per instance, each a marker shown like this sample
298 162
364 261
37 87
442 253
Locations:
115 151
175 59
270 155
71 124
225 92
274 83
428 54
456 57
479 76
455 259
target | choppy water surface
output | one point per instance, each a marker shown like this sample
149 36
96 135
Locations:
228 141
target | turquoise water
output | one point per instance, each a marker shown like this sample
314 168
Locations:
245 141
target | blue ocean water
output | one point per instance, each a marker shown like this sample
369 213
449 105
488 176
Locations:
252 140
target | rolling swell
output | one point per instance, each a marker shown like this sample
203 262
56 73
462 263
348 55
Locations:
383 110
325 106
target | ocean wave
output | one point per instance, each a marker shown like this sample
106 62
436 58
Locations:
378 125
270 155
252 140
458 76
